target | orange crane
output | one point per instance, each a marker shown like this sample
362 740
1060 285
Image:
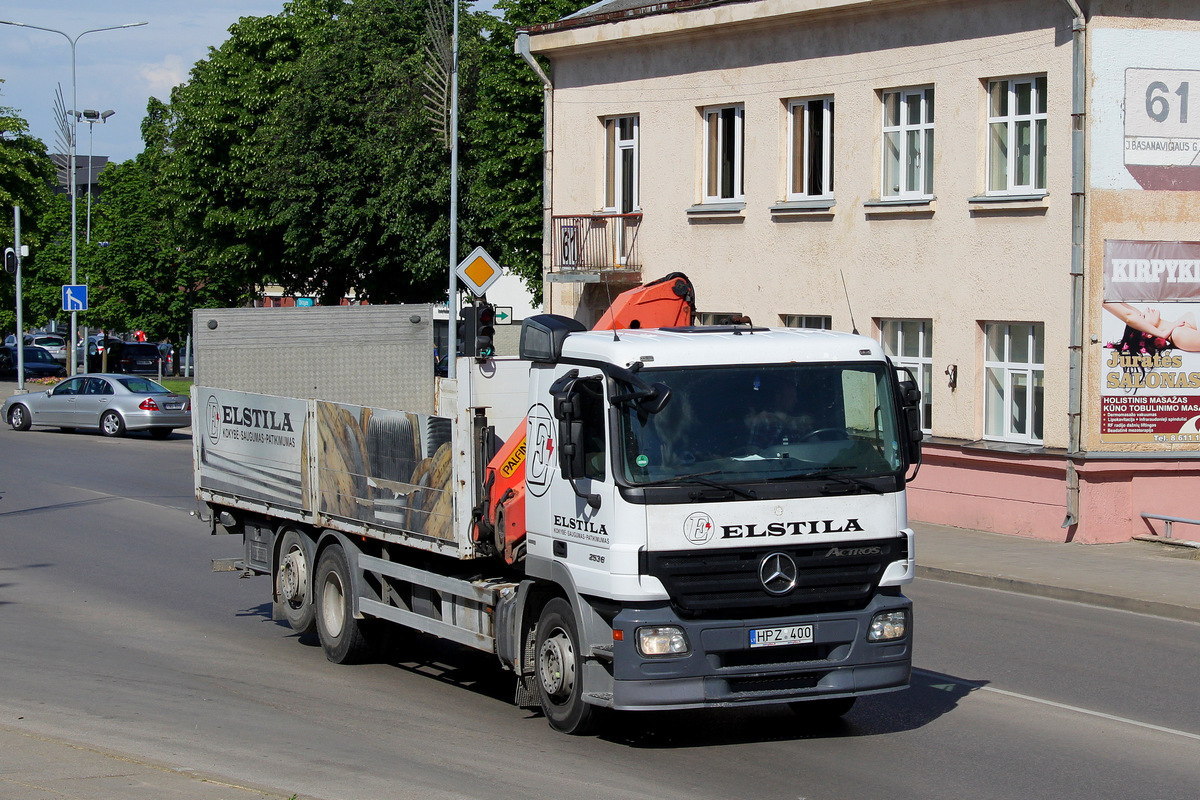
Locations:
667 302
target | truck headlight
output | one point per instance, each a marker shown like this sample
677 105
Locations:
888 626
665 640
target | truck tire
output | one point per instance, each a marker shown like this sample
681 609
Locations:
293 584
342 636
826 709
559 670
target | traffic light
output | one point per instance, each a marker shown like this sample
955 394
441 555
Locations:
10 261
466 332
485 330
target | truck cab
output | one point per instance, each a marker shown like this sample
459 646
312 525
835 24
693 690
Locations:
725 506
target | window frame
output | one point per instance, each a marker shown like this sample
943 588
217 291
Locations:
1038 122
802 108
921 364
616 147
1034 373
713 173
805 321
902 129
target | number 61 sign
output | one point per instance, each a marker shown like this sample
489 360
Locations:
1160 129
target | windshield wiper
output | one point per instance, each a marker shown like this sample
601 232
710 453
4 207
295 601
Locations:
831 473
702 478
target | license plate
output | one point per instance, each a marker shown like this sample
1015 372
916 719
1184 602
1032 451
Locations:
772 637
145 362
173 406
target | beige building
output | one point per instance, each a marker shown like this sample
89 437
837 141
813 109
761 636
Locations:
1005 192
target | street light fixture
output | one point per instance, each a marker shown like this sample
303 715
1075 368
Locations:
71 365
91 117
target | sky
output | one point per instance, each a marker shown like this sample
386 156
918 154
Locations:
118 70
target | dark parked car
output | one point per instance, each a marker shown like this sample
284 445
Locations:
135 358
38 363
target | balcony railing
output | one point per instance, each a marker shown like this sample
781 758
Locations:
597 244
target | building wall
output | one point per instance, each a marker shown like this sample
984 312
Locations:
956 261
953 262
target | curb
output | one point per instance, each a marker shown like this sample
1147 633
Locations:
1151 607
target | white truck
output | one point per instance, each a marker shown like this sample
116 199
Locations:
708 516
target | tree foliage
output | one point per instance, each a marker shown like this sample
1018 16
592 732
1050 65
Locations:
26 174
308 150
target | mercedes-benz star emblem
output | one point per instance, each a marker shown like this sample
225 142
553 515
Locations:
778 573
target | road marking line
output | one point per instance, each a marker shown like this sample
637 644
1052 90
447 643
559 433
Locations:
1063 706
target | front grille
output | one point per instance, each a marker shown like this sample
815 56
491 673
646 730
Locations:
711 581
776 656
775 683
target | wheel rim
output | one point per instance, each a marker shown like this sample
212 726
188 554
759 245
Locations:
333 608
111 424
18 416
293 577
556 665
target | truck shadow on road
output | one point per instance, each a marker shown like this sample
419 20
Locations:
929 696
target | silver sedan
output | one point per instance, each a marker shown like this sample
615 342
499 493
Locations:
112 403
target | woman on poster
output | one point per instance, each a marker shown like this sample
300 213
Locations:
1156 333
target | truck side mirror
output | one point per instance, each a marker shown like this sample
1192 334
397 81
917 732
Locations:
910 405
568 410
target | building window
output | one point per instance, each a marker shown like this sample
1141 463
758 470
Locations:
810 146
908 144
724 153
1014 366
722 318
1017 136
909 343
621 164
807 321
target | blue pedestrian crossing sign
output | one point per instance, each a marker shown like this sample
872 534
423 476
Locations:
75 298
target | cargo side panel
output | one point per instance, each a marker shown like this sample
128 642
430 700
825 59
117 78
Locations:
390 470
251 447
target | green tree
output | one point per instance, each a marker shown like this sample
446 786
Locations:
26 174
504 139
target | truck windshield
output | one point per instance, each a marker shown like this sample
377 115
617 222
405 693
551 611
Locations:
772 422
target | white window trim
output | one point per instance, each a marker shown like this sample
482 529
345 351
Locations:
801 159
1012 118
920 365
1008 369
739 152
904 192
825 322
612 169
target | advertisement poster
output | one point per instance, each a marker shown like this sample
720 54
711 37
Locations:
1150 380
1145 123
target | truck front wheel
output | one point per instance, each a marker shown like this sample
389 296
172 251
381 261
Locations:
560 670
341 634
292 584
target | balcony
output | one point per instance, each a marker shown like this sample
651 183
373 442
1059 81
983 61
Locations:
592 248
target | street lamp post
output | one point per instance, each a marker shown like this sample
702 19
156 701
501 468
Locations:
71 365
91 117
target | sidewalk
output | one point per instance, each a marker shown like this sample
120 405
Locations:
1149 577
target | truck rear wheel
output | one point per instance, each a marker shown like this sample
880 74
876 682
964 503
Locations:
341 634
292 584
560 670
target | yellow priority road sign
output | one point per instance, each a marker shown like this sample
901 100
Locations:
478 271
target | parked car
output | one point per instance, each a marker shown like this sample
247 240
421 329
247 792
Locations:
167 352
56 344
134 358
38 363
112 404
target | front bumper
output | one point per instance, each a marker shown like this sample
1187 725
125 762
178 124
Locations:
723 670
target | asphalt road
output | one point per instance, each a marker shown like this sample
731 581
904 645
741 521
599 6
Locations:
114 632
